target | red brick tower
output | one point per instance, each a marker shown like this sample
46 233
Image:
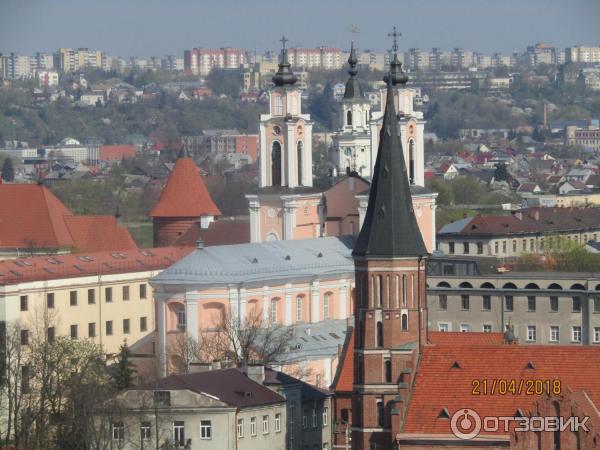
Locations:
390 311
183 201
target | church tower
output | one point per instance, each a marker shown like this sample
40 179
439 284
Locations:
351 149
390 310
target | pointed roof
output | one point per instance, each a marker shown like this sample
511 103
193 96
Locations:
284 75
390 228
185 194
353 88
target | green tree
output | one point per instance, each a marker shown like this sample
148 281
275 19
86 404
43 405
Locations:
8 171
227 82
501 172
124 369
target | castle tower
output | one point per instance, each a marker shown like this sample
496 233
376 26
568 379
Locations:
183 201
351 147
390 310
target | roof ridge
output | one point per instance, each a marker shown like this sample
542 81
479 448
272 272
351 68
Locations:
51 197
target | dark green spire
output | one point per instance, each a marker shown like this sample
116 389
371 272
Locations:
284 76
390 228
353 88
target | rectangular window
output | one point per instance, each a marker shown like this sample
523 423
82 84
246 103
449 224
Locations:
143 288
480 248
24 305
487 302
495 248
531 245
465 327
24 337
73 331
265 424
277 423
181 319
125 326
252 426
145 431
109 327
91 329
443 301
576 334
314 418
464 302
179 432
466 248
304 422
531 303
73 298
597 304
125 293
50 333
554 303
531 333
118 431
504 247
162 398
576 304
91 296
514 246
443 327
325 414
240 428
108 295
451 248
596 335
298 309
509 303
554 333
487 328
50 300
143 324
326 299
205 429
524 245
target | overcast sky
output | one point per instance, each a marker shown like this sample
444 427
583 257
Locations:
160 27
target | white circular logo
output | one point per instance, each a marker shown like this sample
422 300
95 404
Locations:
465 424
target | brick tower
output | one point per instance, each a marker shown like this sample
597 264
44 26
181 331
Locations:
390 309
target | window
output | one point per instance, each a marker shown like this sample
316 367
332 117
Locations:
50 300
118 431
465 327
181 319
576 304
240 428
274 310
125 293
326 298
514 246
125 326
487 328
531 333
314 418
451 247
252 426
265 424
576 334
597 304
145 431
443 327
298 309
480 248
143 323
24 305
277 106
73 298
596 335
487 302
277 423
162 398
509 303
91 296
379 331
531 245
554 333
73 331
304 422
205 429
495 248
466 248
531 303
325 413
388 370
108 295
380 417
504 247
403 290
524 245
25 374
554 303
109 327
464 302
179 432
143 288
443 301
91 329
24 337
50 333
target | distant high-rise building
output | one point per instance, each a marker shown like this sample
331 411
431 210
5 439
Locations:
68 60
541 53
17 66
172 63
200 61
580 54
462 59
417 59
325 58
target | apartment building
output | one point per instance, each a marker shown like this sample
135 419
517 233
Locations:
587 137
70 60
324 58
582 54
200 61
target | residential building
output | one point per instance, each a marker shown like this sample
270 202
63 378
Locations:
43 61
47 78
200 61
541 53
116 153
582 54
17 66
416 59
591 77
462 59
587 137
69 60
323 58
172 63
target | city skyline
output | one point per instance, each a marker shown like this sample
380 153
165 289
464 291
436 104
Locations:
163 29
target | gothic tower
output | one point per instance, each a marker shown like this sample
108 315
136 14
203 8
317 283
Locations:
352 142
390 310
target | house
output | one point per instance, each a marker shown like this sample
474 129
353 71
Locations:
579 173
572 186
531 188
116 153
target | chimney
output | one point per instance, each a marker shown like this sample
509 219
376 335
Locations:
256 372
216 365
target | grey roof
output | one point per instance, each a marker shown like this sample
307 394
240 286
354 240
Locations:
353 88
455 227
262 262
390 227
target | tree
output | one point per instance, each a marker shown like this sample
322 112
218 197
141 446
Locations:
501 172
224 82
8 171
123 369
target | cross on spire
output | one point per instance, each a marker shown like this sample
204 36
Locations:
283 40
395 34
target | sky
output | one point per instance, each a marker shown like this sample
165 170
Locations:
161 27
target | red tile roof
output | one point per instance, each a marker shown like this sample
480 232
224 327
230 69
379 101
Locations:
445 379
472 338
53 267
344 377
219 232
116 152
185 194
98 233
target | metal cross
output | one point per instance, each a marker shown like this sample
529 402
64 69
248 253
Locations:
395 34
283 40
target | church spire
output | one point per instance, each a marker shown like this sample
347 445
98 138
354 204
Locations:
396 74
284 75
353 88
390 228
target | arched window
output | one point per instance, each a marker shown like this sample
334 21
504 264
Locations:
276 164
379 334
388 371
404 322
379 290
300 147
380 415
349 118
299 309
326 299
411 161
273 311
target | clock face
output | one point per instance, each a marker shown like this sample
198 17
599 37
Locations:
276 130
